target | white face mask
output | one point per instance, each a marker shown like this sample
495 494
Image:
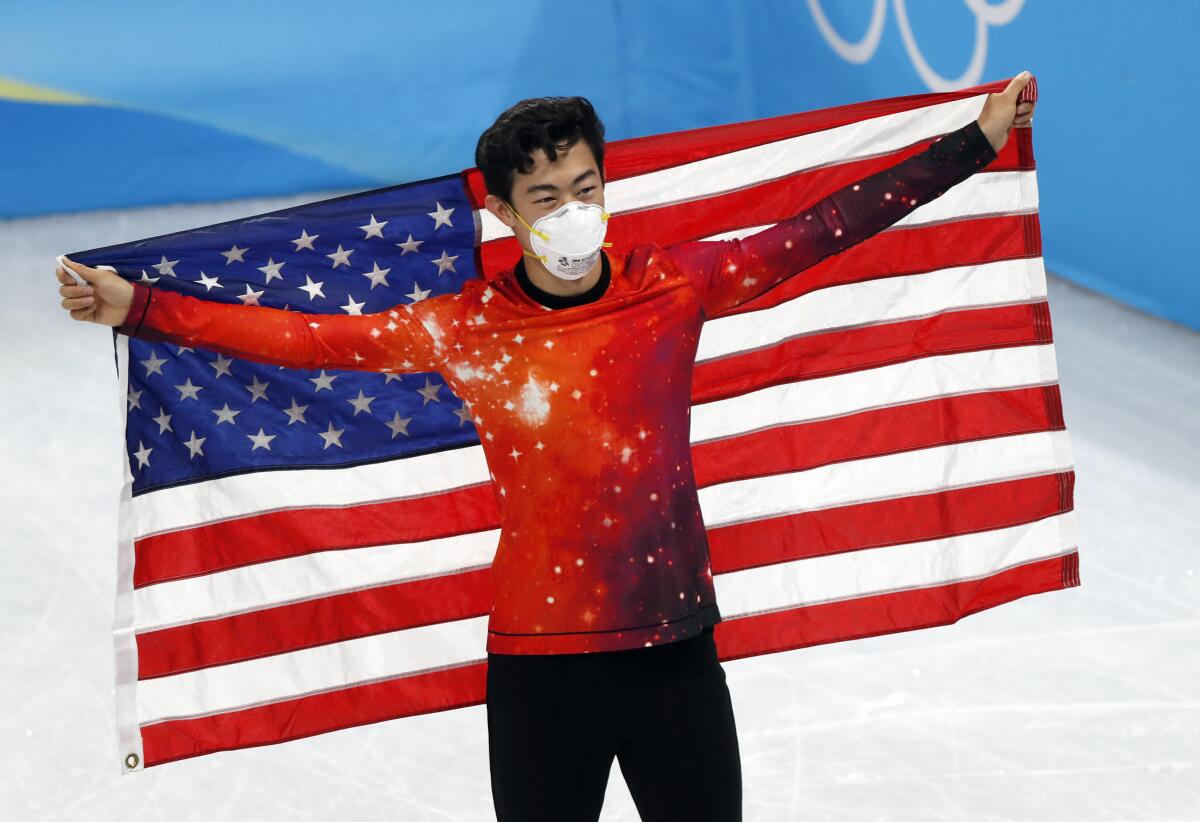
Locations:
568 240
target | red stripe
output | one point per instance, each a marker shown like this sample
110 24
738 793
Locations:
839 352
889 613
767 202
879 523
315 714
925 424
467 685
248 540
386 608
321 621
641 155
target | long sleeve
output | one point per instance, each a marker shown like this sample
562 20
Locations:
727 273
404 338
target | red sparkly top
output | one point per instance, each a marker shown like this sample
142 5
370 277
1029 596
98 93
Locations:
583 404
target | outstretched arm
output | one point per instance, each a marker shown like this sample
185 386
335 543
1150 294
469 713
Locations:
731 272
404 338
727 273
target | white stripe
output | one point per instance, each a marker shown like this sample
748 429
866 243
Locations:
342 664
925 378
880 300
294 579
185 506
908 473
750 166
983 194
312 670
330 572
873 571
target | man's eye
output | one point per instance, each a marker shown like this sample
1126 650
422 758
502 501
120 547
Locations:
588 190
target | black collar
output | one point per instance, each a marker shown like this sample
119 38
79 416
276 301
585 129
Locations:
564 300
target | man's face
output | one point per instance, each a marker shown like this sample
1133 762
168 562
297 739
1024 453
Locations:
574 175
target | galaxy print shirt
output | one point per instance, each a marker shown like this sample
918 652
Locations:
582 405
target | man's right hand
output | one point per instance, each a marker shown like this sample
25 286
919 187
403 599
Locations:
104 299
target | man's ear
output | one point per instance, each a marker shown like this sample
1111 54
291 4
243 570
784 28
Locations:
500 210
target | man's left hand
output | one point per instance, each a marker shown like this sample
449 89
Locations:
1001 112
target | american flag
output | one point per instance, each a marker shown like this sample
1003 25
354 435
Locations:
878 442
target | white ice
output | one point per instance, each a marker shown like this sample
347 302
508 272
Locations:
1081 704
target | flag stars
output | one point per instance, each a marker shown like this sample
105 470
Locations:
305 240
258 390
188 391
153 365
165 267
295 412
352 307
515 453
441 217
313 289
373 228
226 414
445 262
134 398
235 255
194 446
261 440
341 256
378 276
323 381
208 282
251 296
143 455
221 366
429 392
271 269
398 424
164 421
361 403
409 245
332 436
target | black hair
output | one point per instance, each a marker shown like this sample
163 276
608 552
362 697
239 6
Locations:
548 123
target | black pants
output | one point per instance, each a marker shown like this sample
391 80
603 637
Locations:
556 721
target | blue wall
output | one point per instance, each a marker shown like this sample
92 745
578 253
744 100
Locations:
220 100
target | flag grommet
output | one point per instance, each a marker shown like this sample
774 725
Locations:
131 760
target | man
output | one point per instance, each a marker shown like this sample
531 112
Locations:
577 369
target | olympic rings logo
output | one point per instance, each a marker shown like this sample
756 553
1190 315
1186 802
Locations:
985 13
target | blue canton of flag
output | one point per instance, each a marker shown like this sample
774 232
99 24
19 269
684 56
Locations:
196 414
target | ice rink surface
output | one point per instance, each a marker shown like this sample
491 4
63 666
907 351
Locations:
1081 704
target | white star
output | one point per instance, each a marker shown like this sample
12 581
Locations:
296 412
234 255
514 453
271 269
166 268
194 445
164 421
188 390
549 343
352 307
409 245
416 295
258 390
153 365
251 296
221 366
445 261
399 425
226 414
341 256
373 228
463 414
147 279
143 455
312 288
429 392
323 381
441 217
305 240
332 436
208 282
361 403
378 276
261 440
